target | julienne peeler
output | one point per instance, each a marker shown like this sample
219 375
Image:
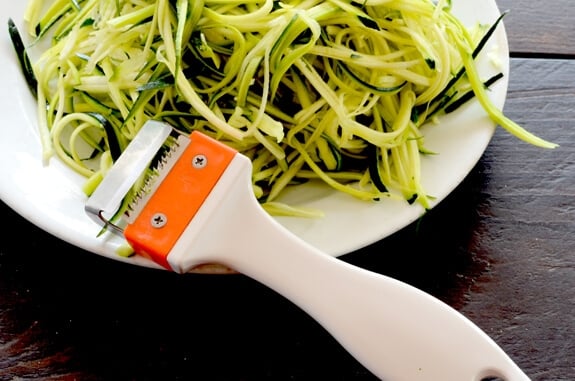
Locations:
200 209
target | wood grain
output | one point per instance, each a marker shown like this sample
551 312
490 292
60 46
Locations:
500 248
526 225
538 28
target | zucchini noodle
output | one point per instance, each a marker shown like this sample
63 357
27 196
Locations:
334 91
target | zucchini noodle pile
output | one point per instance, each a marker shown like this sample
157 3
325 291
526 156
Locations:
307 89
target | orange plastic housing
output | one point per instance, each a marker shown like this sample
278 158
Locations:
177 198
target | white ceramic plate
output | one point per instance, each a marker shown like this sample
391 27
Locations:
49 194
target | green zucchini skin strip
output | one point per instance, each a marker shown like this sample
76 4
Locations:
23 58
111 136
332 91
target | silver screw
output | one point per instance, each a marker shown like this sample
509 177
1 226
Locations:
159 220
199 161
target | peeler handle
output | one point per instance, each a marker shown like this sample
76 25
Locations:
395 330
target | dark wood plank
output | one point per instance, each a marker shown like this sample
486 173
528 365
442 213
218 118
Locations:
525 297
540 27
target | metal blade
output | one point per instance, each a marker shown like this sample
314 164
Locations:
164 165
108 197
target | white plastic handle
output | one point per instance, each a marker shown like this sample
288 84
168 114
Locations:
395 330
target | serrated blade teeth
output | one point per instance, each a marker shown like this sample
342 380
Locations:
156 175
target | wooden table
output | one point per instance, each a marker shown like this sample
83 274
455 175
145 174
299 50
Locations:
500 249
